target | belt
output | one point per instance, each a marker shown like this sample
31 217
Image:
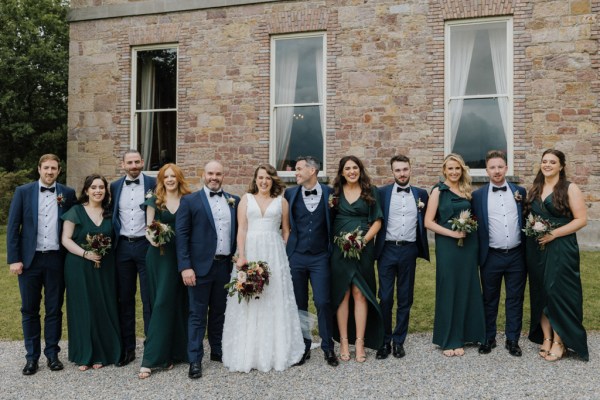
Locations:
132 239
399 242
505 251
47 251
220 257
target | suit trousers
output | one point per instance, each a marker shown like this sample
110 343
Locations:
46 271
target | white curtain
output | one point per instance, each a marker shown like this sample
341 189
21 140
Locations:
498 50
285 93
460 63
147 102
320 88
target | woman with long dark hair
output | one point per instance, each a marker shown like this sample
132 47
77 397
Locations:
355 204
553 261
92 313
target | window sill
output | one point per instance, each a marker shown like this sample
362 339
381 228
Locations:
486 179
292 180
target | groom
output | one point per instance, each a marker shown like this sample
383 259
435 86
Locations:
308 250
206 234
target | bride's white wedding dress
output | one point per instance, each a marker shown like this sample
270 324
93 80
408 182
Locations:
264 333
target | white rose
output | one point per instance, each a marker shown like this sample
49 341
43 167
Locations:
241 276
539 227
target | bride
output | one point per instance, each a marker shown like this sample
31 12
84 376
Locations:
263 333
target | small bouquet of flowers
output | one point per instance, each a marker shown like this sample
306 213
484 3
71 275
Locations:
333 201
351 243
536 226
98 244
250 280
464 223
160 234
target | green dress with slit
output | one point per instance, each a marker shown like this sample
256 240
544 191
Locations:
459 315
361 273
92 311
166 339
555 283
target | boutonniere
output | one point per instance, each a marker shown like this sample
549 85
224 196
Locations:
60 199
231 202
420 204
332 201
149 193
518 196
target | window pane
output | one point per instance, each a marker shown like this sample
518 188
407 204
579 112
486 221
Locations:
298 70
156 79
481 73
299 133
156 138
480 130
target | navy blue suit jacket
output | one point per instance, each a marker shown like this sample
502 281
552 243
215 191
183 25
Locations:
480 210
115 192
385 194
22 227
196 234
294 194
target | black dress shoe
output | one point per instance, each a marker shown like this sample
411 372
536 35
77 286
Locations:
486 348
30 368
126 359
305 356
398 350
195 370
54 364
216 357
383 352
331 358
513 348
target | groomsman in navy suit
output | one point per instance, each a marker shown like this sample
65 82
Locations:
206 240
129 224
498 207
36 256
400 241
308 250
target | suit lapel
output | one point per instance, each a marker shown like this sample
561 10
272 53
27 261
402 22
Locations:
207 209
484 207
415 193
387 201
35 194
514 190
117 195
233 219
324 198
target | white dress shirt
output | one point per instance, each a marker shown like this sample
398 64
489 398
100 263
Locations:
503 219
312 202
222 217
402 217
47 232
131 215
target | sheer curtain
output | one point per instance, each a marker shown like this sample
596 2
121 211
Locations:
147 102
498 50
320 88
285 93
460 62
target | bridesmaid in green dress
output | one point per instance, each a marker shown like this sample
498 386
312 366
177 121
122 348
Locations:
92 314
554 278
459 315
166 339
358 321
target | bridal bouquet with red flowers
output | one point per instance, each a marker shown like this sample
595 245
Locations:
464 223
160 234
99 244
351 243
536 227
250 280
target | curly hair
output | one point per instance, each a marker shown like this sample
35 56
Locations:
278 186
560 197
161 193
464 183
364 181
84 198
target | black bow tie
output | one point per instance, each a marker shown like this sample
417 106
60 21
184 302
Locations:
406 189
496 188
309 192
129 182
43 189
216 194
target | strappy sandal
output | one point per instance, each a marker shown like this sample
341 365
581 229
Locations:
83 367
543 353
363 357
459 352
556 356
344 356
144 373
97 366
448 353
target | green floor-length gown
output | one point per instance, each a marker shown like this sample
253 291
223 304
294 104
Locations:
166 339
459 315
555 283
361 273
92 313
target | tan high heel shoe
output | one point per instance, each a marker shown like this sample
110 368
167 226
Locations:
361 358
543 353
344 356
556 357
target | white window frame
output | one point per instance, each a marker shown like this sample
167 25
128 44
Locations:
272 124
510 94
134 111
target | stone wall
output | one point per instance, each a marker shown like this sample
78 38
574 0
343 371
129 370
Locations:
385 84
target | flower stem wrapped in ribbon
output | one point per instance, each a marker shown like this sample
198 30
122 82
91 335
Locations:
250 280
464 223
98 244
536 227
351 243
160 234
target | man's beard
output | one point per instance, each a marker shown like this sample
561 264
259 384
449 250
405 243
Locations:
403 184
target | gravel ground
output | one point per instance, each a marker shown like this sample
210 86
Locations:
423 373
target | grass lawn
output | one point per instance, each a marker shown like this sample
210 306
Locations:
421 315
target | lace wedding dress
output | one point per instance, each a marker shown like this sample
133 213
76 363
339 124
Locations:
264 333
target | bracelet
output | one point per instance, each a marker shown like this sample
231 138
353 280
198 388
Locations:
84 253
